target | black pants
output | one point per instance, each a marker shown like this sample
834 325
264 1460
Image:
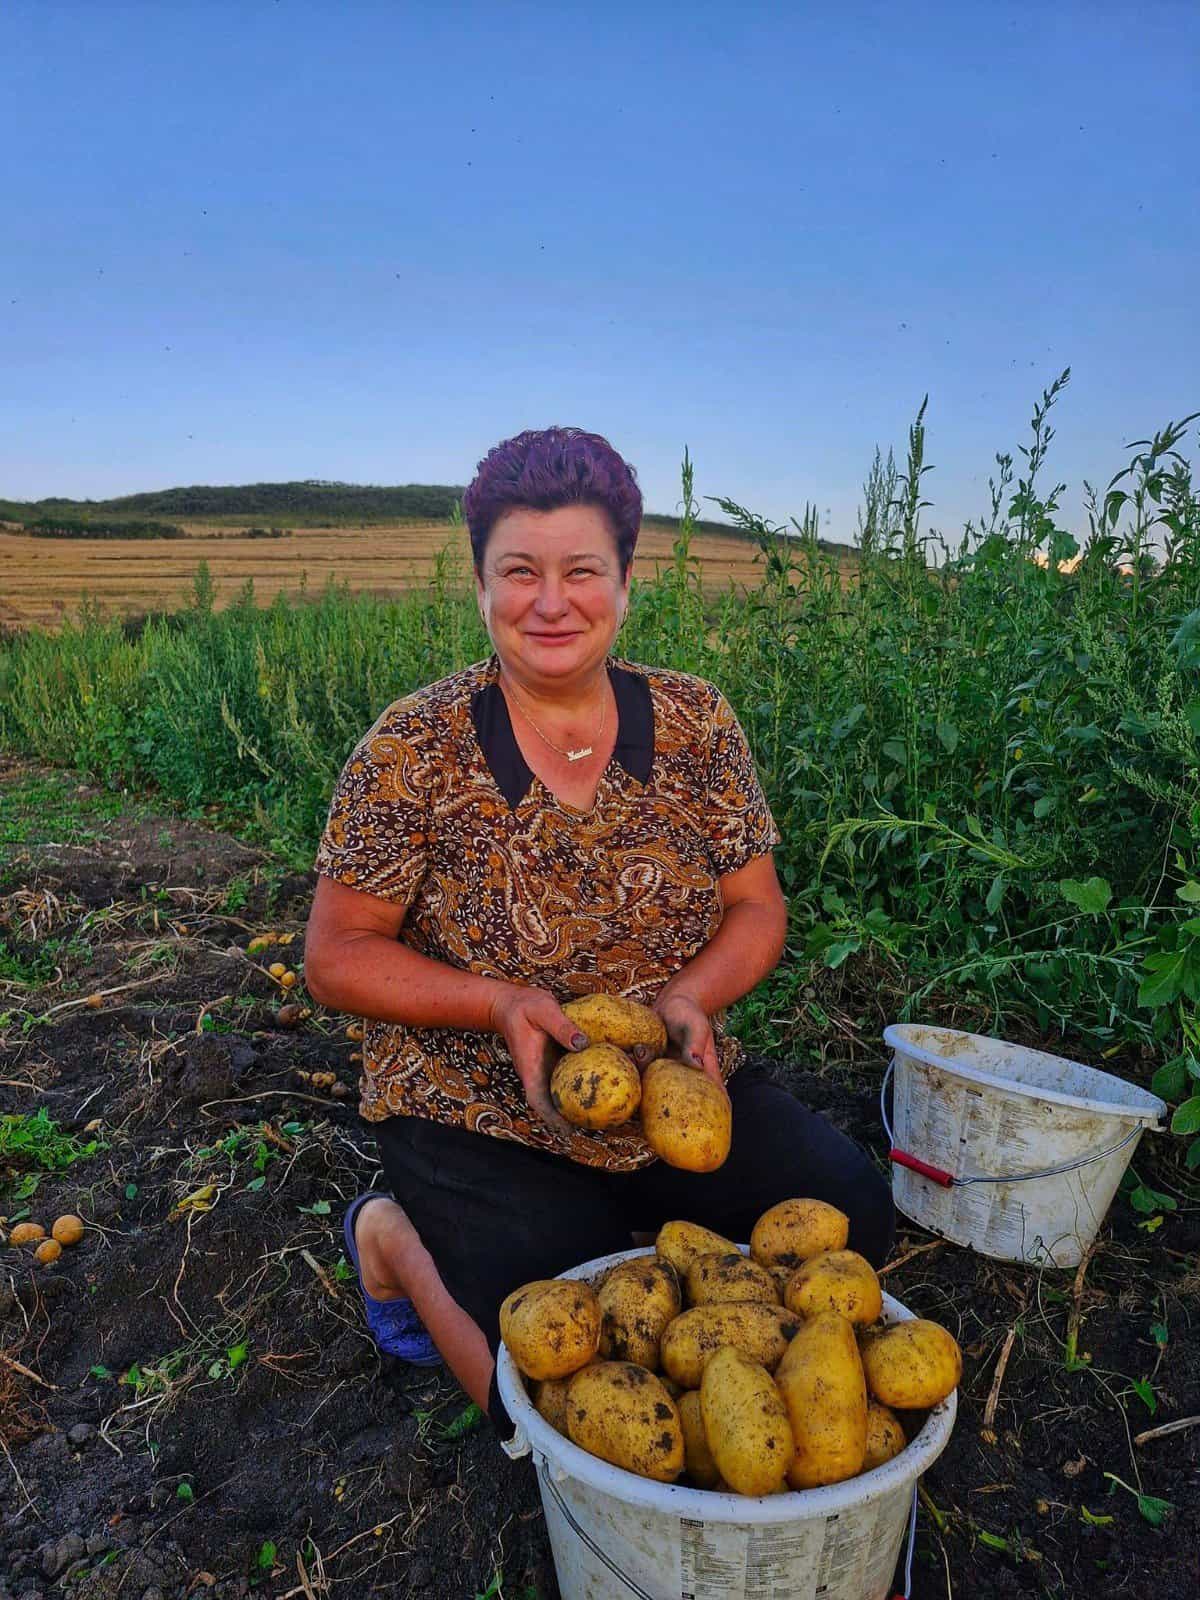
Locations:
494 1214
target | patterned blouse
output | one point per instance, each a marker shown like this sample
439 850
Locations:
437 811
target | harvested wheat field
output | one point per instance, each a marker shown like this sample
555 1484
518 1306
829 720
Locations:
42 581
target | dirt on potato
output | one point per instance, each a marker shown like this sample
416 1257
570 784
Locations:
189 1402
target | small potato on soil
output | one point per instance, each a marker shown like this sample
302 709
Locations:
49 1250
68 1229
26 1233
599 1087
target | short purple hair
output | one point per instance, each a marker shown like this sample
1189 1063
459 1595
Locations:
546 468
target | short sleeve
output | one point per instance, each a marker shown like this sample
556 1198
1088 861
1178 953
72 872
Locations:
376 834
739 823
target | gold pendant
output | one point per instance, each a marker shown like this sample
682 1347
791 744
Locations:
578 755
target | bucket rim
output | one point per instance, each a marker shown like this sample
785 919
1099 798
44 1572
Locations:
1150 1114
705 1504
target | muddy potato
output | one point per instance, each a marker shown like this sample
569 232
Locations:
698 1458
836 1280
729 1275
26 1233
759 1331
686 1119
68 1229
911 1365
746 1424
599 1087
794 1230
821 1381
49 1250
549 1399
621 1413
681 1242
637 1300
551 1326
885 1436
610 1019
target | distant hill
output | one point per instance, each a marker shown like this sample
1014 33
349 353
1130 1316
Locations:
312 502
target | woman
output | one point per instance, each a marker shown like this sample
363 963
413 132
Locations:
549 823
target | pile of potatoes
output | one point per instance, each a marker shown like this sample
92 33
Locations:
749 1374
685 1117
67 1230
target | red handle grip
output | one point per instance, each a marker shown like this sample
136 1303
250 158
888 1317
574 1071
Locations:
937 1174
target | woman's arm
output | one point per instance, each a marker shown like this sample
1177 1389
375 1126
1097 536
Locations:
355 962
746 946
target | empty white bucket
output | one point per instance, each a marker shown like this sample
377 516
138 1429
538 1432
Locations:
615 1535
1011 1151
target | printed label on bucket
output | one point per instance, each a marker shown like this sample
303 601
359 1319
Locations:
837 1556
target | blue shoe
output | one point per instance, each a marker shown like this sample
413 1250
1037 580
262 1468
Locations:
394 1324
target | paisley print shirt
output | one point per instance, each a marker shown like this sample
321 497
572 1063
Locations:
437 811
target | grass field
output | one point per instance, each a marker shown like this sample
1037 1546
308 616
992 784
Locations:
44 580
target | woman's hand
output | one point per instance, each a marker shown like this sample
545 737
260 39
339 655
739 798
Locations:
690 1033
533 1024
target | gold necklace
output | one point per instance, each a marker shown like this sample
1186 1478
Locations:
570 755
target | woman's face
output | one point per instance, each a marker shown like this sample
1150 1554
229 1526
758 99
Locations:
551 592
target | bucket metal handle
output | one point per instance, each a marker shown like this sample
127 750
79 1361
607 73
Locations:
904 1158
581 1533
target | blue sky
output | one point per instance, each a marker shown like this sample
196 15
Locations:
261 241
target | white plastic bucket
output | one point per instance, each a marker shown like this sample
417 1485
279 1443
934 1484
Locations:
1011 1151
615 1535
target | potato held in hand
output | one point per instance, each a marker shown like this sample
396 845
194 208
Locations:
551 1326
596 1088
746 1424
821 1381
686 1117
836 1280
610 1019
911 1365
637 1300
621 1413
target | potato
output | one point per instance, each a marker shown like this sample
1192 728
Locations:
637 1300
794 1230
550 1400
760 1332
49 1250
596 1088
821 1381
686 1119
610 1019
729 1276
26 1233
911 1365
681 1242
885 1436
698 1458
746 1424
68 1229
551 1326
621 1413
836 1280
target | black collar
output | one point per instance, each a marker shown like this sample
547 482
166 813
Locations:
493 727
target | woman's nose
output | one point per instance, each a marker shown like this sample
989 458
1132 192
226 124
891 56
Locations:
552 598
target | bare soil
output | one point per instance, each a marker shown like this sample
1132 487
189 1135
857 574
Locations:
189 1404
